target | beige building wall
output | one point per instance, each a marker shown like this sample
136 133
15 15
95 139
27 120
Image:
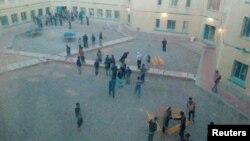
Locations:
232 44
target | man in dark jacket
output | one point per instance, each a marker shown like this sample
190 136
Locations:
78 116
96 65
152 128
79 65
183 126
164 45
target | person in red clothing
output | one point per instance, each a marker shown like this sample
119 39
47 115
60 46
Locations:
217 79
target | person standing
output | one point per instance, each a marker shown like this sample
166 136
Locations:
128 73
152 128
138 87
143 72
107 65
93 40
85 41
100 38
96 65
112 88
99 55
148 61
182 126
68 52
217 78
120 78
78 116
69 24
81 53
87 19
191 109
166 119
79 65
164 45
139 58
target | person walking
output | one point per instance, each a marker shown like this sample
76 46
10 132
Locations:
79 65
93 40
78 116
68 52
182 126
87 20
100 38
96 65
148 61
164 45
114 70
139 58
112 88
217 78
191 108
138 87
128 73
152 128
69 24
166 119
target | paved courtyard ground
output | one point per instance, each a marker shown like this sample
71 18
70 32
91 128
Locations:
37 103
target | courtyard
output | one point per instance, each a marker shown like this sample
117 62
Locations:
37 102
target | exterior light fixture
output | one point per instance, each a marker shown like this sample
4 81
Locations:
128 9
164 14
210 19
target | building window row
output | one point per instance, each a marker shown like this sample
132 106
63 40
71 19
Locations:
239 73
171 25
100 13
245 31
213 5
174 3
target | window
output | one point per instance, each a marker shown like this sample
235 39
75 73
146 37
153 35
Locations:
185 27
159 2
23 16
47 10
4 20
108 14
157 23
245 31
213 4
91 12
14 18
188 3
117 14
171 25
99 13
239 73
32 14
209 32
173 2
40 12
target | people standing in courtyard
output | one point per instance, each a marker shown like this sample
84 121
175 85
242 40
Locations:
182 126
139 58
166 119
152 128
99 55
138 84
217 78
112 88
78 115
107 65
128 73
93 40
96 65
191 109
164 45
100 38
79 65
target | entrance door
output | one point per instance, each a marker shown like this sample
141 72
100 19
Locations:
209 32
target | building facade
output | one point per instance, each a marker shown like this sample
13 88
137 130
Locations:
225 24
